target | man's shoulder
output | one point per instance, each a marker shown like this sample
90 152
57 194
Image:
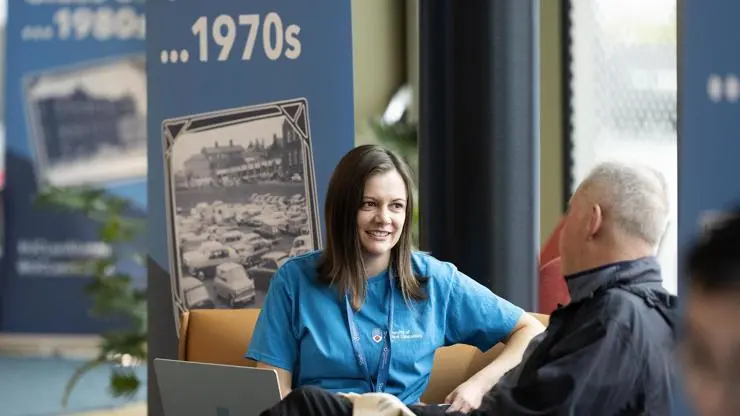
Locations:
634 312
632 299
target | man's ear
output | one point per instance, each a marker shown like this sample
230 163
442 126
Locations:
597 218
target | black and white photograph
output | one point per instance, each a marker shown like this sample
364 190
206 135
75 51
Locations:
87 123
241 201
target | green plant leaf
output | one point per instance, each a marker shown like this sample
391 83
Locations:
79 372
111 291
124 382
401 137
100 267
112 295
139 259
110 230
117 343
83 199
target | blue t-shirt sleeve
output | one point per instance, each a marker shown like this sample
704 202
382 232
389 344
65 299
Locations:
274 342
476 316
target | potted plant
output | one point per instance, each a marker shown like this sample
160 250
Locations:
112 291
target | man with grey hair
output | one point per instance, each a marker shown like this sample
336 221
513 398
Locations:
626 206
609 351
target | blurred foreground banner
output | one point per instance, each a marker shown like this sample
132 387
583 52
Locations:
709 86
709 124
76 115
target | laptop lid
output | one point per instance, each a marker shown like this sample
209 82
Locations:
198 389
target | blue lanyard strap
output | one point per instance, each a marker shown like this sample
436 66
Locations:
385 355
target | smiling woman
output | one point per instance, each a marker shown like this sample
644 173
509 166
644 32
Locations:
370 188
370 293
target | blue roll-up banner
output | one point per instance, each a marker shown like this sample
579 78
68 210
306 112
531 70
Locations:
75 114
709 123
250 109
709 144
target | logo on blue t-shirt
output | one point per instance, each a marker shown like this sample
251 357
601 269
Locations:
377 335
406 335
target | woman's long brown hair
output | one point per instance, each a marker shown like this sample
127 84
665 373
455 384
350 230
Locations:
341 261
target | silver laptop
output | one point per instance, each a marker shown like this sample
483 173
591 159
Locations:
189 388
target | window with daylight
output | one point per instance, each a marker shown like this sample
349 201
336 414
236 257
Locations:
623 94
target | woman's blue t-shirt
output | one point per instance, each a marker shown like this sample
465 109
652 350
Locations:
303 328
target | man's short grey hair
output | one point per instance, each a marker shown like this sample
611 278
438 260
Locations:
635 197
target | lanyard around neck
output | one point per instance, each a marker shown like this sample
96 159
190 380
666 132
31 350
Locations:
385 355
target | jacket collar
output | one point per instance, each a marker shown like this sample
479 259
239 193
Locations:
582 285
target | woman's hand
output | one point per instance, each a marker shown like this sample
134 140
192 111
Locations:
377 404
467 396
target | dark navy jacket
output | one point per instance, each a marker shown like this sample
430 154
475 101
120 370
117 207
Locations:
608 352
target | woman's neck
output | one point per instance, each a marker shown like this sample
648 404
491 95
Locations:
376 264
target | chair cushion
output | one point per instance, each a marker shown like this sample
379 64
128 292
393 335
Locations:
218 336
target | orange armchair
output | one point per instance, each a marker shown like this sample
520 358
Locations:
222 336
